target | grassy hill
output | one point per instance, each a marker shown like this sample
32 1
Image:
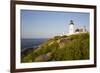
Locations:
60 48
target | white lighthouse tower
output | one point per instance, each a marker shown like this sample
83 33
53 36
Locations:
71 27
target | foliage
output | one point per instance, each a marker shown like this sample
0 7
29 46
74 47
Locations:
60 48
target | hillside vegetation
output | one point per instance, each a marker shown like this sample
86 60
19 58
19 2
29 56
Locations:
60 48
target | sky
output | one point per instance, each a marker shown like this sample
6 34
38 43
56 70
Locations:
47 24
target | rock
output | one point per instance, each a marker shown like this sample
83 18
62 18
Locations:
43 57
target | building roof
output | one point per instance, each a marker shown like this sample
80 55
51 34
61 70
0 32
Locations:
71 22
77 30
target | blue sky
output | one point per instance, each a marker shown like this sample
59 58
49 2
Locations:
47 24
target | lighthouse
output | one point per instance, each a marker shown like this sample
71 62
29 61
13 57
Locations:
71 27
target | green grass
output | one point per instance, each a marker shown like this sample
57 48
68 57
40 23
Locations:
60 48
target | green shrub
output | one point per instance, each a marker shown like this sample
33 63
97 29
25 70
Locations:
76 47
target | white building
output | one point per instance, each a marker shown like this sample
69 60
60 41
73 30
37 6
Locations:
72 29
